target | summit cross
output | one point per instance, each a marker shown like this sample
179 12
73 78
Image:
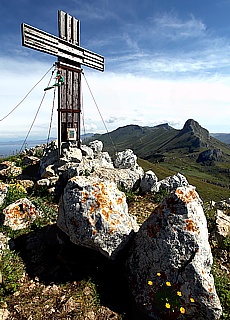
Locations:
70 57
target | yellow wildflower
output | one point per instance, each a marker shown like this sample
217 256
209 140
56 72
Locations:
158 274
179 293
168 284
167 305
182 310
150 283
192 300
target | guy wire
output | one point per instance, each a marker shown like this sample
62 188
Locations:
26 95
36 114
99 112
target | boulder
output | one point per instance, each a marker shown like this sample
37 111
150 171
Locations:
48 172
171 183
148 181
96 146
30 160
27 184
125 160
94 214
87 151
42 183
20 214
70 153
9 169
50 156
3 192
222 226
126 179
169 267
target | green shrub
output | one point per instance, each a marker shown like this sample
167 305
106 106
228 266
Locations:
160 195
15 192
222 284
12 269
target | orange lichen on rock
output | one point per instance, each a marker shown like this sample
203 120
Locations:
190 225
85 196
190 196
119 200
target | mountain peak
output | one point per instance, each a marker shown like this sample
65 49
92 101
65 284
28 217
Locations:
164 126
194 127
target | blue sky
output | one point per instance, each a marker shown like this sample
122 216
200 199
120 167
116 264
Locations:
165 61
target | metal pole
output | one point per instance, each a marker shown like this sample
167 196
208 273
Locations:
59 122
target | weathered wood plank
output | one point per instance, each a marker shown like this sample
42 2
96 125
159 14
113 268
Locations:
42 41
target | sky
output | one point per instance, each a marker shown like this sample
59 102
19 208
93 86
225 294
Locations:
166 61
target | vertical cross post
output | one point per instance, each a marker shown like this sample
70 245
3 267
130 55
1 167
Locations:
69 104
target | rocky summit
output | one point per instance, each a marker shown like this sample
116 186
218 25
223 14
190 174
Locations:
166 259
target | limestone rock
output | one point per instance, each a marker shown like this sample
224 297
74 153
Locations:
87 151
171 183
126 179
50 156
4 314
169 267
42 183
20 214
27 184
3 192
9 169
148 181
222 225
48 172
96 146
71 153
30 160
210 155
94 213
125 159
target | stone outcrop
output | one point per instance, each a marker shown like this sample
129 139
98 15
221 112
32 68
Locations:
89 160
94 213
30 160
170 261
171 183
148 182
20 214
210 155
125 160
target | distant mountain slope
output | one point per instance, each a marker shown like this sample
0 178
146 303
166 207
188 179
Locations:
145 141
189 150
223 137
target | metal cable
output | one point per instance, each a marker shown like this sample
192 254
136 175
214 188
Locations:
99 112
35 115
26 95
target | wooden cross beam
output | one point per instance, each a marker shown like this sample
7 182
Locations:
70 57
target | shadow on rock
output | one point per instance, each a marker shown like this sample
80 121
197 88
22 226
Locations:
49 255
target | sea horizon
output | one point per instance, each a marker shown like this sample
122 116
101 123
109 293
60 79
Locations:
13 147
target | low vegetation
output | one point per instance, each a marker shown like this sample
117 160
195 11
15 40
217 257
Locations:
42 278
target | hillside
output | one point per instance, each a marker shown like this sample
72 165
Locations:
224 137
191 151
